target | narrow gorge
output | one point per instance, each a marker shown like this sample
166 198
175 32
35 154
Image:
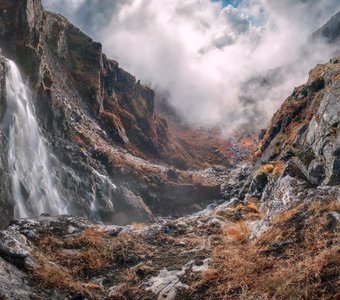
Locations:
105 193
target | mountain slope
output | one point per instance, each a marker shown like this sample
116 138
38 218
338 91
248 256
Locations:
330 31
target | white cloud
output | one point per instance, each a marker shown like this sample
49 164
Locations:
70 5
202 55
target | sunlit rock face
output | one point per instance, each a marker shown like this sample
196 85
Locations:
307 126
298 154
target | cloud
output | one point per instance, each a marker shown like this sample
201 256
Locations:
70 5
90 15
216 63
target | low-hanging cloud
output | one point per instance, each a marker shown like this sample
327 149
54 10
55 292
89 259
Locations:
216 64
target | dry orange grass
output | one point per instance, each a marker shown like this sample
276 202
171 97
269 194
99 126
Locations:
51 276
244 211
237 232
298 258
279 167
266 169
273 169
68 263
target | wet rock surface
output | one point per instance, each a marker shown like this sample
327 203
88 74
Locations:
13 283
5 197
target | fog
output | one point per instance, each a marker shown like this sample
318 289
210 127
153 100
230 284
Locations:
217 63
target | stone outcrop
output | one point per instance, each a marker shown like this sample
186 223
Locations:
307 127
297 158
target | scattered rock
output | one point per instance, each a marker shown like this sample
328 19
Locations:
167 283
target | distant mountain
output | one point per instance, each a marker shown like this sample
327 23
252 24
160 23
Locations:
330 31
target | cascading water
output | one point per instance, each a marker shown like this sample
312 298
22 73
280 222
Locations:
32 184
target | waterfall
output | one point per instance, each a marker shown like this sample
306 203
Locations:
32 182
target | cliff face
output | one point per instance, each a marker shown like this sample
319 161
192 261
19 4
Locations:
297 158
307 127
58 58
99 122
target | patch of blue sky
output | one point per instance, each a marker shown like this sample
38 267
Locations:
234 3
258 21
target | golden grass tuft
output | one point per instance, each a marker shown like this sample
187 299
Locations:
69 263
273 169
265 169
238 232
279 167
48 275
297 258
139 226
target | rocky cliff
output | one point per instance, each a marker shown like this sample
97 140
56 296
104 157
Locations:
110 150
330 32
5 204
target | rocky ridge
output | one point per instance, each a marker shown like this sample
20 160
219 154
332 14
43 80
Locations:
330 32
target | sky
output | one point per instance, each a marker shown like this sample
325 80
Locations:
234 3
231 62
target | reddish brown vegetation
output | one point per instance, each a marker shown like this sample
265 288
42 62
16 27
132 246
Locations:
298 258
68 264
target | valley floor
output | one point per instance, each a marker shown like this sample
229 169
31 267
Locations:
230 251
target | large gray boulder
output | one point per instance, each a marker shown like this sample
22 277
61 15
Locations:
323 134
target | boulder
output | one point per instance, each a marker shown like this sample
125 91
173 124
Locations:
258 185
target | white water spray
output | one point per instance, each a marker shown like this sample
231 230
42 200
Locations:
32 183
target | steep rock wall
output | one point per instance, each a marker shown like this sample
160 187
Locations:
298 154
